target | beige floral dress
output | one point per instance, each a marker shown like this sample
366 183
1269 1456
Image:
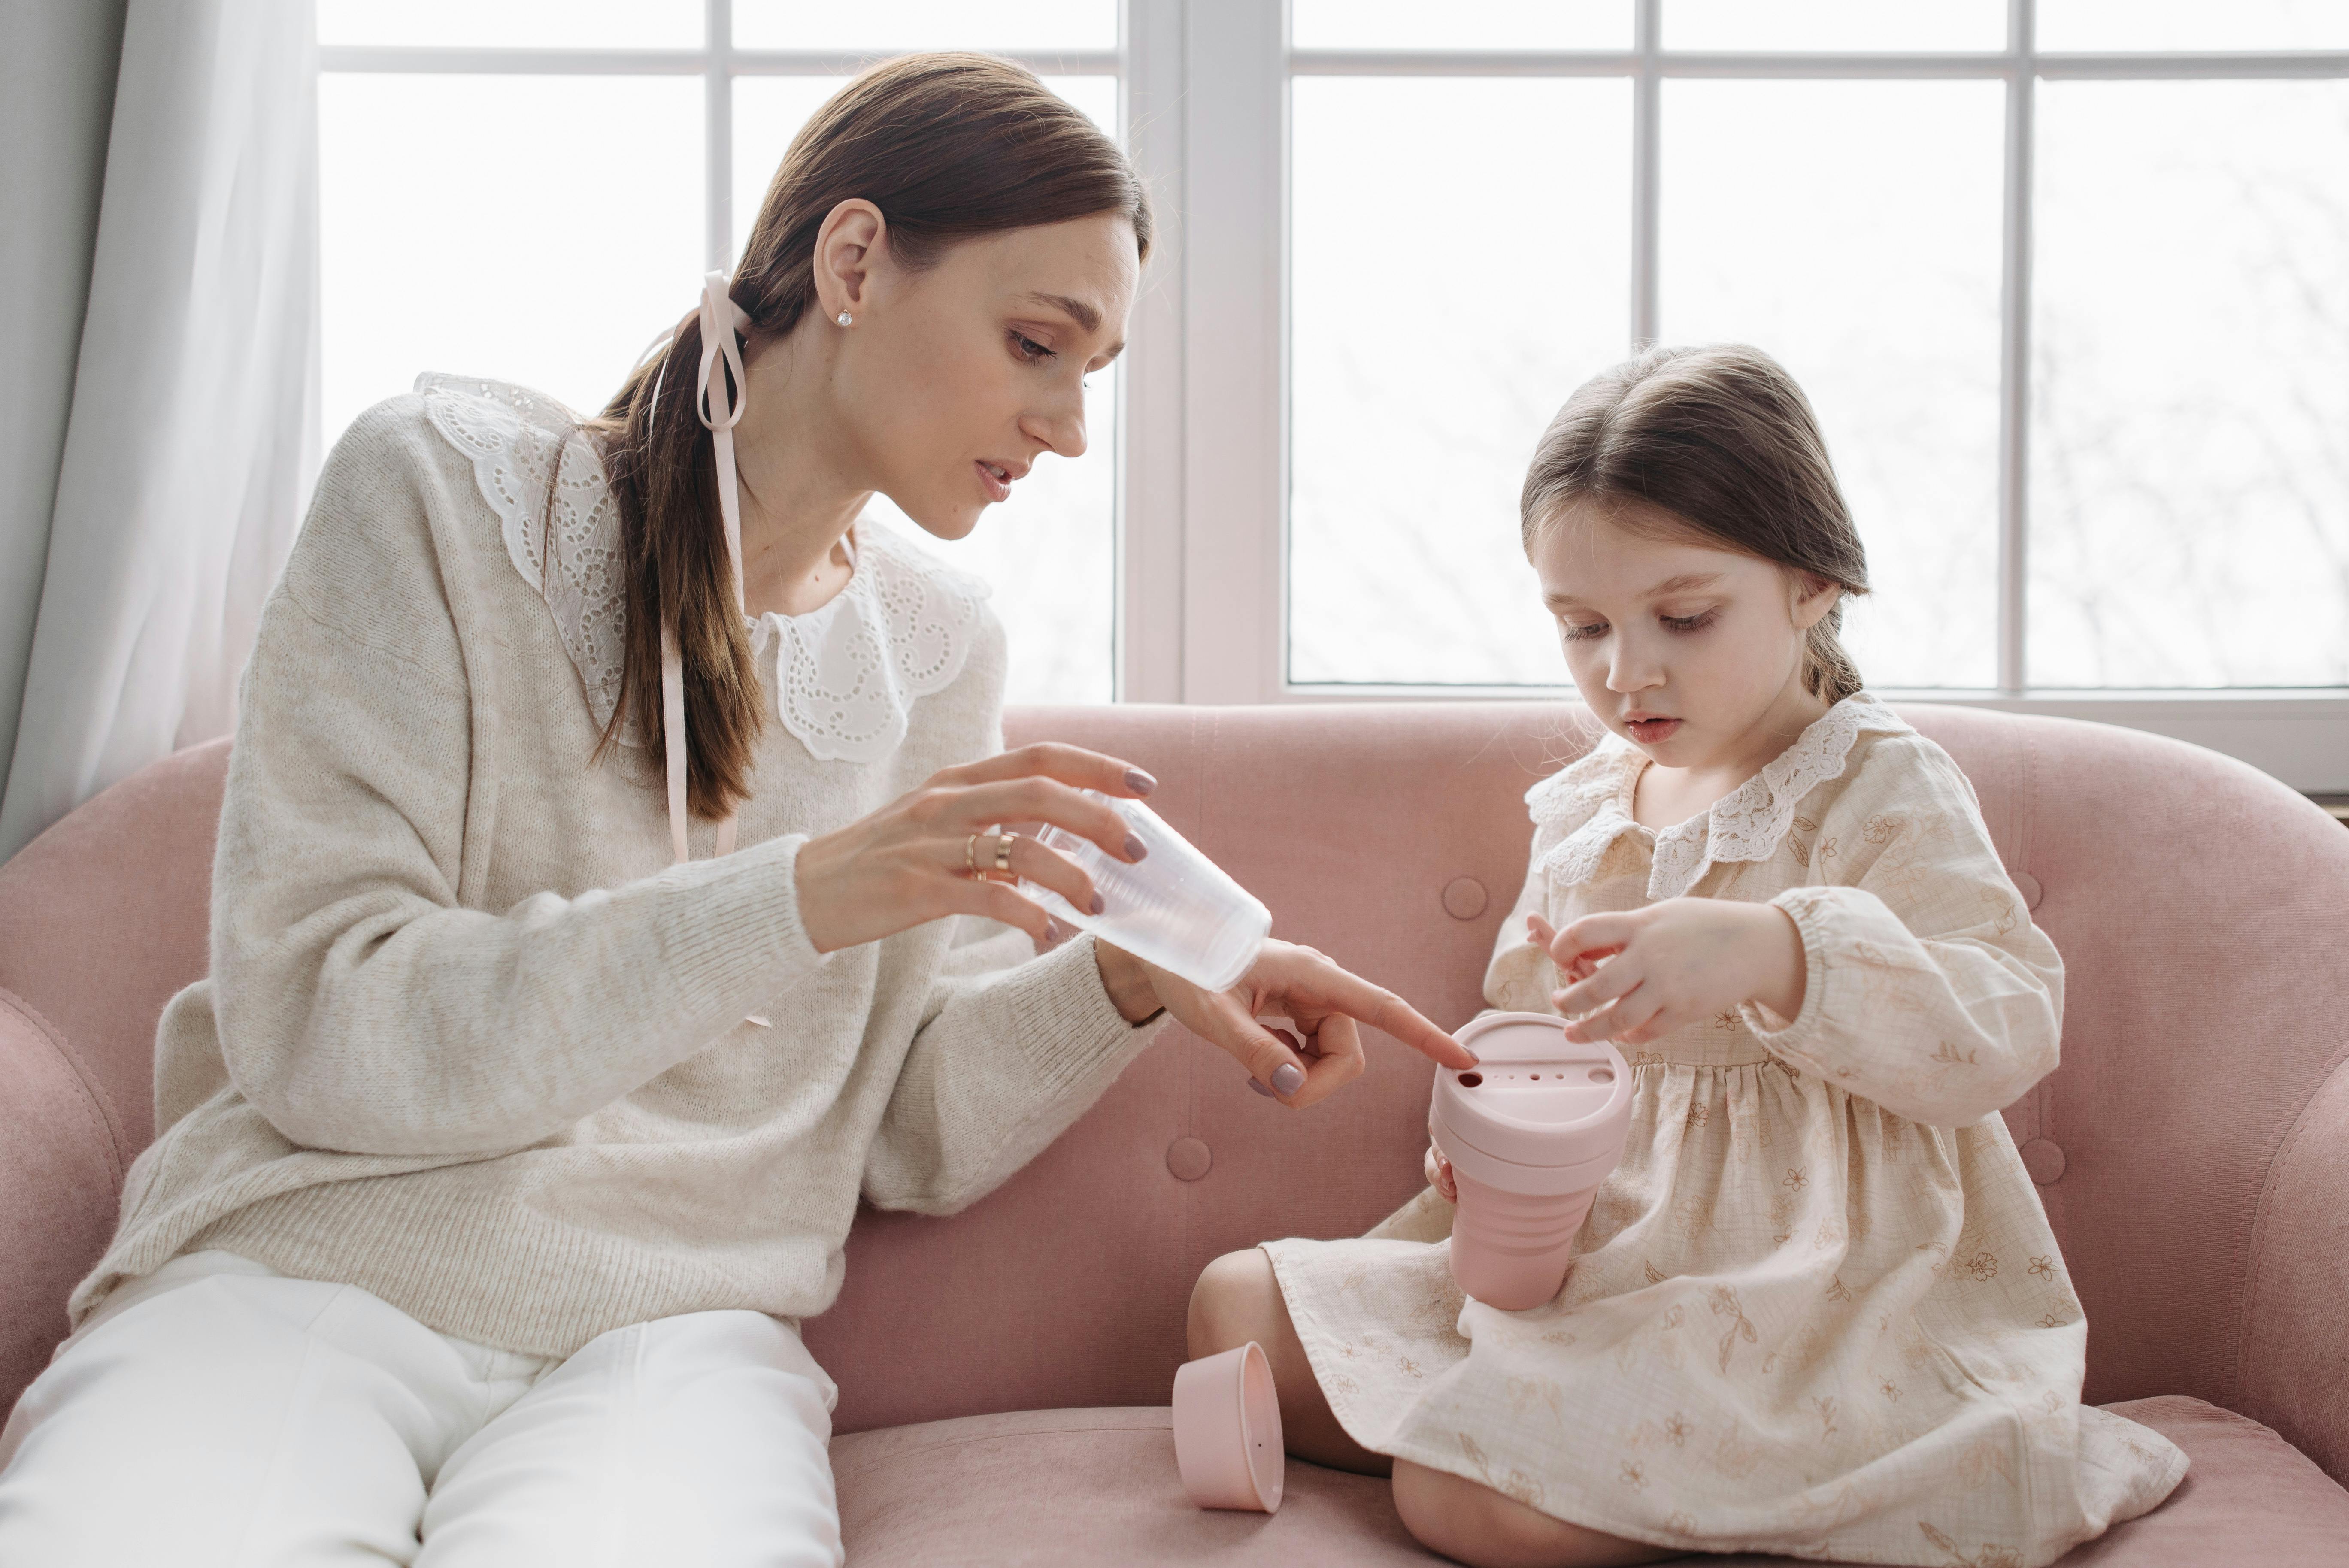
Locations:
1818 1309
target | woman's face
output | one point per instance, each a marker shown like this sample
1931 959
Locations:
954 380
1689 651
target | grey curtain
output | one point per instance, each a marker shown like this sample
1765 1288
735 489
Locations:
56 100
182 442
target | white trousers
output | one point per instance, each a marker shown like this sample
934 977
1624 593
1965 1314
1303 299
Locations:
217 1413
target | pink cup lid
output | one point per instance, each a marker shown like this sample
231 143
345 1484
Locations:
1535 1097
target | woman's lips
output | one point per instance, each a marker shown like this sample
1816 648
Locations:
998 489
1648 731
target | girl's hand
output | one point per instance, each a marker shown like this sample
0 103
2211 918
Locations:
1439 1174
909 862
1294 983
1638 975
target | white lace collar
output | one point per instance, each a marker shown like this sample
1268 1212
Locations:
846 674
1591 803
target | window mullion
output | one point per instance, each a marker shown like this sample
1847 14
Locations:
1647 185
1150 541
718 154
2015 350
1234 422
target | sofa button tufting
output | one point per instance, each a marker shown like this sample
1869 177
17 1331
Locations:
2028 886
1188 1159
2044 1158
1464 898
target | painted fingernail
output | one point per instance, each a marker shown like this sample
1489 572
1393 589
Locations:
1289 1077
1138 782
1052 929
1099 905
1134 848
1260 1088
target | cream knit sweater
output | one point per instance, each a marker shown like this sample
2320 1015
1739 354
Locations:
470 1041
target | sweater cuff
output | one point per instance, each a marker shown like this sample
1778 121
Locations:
1793 1038
733 938
1065 1022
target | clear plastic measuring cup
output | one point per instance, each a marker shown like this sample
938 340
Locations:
1174 907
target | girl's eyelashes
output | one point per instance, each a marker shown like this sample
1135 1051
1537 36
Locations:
1029 350
1583 632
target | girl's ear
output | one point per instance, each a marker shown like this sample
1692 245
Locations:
851 242
1814 597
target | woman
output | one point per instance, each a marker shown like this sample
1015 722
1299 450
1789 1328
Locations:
523 1115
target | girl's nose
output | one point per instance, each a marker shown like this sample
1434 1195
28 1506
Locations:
1631 669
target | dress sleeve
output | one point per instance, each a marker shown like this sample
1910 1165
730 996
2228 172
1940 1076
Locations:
1521 976
1012 1049
362 1006
1927 987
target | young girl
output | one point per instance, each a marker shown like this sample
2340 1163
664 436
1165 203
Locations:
1816 1310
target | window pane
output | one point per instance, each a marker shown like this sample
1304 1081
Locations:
1462 24
1442 308
768 112
1050 552
1851 230
1828 25
517 273
2193 25
2190 507
1025 24
496 24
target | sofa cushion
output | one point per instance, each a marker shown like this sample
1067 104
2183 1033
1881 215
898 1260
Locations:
1075 1487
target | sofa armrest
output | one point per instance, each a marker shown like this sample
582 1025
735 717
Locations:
2293 1347
62 1158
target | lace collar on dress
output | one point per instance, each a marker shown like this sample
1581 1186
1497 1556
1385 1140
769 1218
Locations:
846 674
1591 803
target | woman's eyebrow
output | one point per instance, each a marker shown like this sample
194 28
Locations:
1686 582
1083 313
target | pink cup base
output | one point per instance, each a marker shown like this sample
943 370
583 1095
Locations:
1227 1440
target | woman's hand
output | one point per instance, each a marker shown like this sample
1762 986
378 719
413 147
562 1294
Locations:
1639 974
1293 983
910 862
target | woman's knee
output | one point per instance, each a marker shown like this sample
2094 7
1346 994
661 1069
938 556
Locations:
1235 1300
1474 1524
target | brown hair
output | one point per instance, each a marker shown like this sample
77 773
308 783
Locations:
948 146
1720 438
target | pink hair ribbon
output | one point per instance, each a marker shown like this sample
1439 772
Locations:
721 411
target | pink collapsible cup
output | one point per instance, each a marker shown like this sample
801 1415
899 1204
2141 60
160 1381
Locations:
1530 1132
1227 1430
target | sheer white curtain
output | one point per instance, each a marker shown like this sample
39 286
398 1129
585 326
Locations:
192 439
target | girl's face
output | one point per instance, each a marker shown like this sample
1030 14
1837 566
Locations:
1691 652
955 378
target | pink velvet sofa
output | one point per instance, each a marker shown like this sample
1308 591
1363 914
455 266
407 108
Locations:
1004 1373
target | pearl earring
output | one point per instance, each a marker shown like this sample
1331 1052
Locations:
846 319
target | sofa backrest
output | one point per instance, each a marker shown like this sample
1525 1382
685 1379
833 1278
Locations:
2202 910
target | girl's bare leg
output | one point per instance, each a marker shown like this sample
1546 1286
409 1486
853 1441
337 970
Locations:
1478 1526
1237 1300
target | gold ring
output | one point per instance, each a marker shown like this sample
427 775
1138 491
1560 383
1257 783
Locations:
970 856
1003 842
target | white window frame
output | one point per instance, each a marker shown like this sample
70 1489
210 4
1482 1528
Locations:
1203 443
1208 624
